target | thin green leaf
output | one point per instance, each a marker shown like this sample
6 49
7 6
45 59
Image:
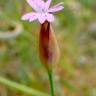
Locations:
22 88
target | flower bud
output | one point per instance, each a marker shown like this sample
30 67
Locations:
48 47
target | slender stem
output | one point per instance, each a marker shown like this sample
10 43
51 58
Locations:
50 74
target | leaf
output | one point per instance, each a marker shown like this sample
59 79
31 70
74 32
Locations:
21 88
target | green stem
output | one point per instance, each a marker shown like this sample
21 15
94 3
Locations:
50 74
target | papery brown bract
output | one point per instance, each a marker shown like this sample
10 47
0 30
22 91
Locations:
48 47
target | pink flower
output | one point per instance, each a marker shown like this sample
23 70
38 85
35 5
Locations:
42 11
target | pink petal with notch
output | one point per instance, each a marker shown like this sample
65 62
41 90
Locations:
30 16
41 18
50 17
48 3
56 8
36 4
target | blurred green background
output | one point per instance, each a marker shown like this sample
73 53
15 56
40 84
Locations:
75 29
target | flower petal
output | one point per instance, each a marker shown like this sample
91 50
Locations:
59 4
30 16
33 17
48 3
40 4
36 5
50 17
26 16
41 18
56 8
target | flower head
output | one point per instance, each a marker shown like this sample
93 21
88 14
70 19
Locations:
42 11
